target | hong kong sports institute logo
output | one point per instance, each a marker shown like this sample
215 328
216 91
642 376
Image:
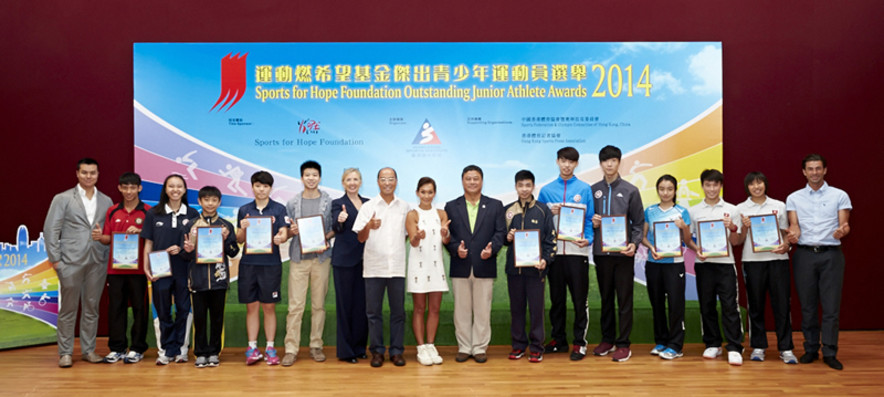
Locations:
233 80
426 135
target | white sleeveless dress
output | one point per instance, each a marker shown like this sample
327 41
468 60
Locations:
426 270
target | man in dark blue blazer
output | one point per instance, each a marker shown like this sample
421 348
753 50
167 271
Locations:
477 231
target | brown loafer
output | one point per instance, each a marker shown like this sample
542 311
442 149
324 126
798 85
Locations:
398 360
461 357
480 358
377 359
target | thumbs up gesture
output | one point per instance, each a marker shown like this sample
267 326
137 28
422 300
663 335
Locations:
841 231
486 252
462 250
342 217
374 222
96 232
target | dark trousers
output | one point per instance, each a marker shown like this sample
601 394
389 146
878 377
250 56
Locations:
763 278
719 280
818 281
374 311
569 272
124 290
525 291
666 286
352 323
172 331
616 276
208 305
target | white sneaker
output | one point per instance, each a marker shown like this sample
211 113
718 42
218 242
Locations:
113 357
434 354
423 356
734 358
757 355
181 358
163 360
657 350
711 352
788 357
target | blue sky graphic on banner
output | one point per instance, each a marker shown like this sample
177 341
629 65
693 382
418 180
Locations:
217 112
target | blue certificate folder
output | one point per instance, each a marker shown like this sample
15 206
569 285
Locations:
526 248
613 233
765 233
209 244
125 251
259 235
667 239
712 238
571 223
159 264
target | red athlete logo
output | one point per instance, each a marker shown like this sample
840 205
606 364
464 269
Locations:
233 80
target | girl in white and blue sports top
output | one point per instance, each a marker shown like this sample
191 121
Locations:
665 274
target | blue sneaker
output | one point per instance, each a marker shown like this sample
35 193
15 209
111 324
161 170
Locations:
657 350
270 356
670 354
253 355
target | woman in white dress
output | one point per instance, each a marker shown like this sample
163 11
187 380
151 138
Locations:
427 230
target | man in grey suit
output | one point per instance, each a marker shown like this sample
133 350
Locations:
71 233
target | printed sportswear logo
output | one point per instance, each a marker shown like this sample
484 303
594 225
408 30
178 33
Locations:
426 135
233 80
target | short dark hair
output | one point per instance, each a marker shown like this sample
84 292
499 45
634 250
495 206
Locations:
568 153
813 157
426 180
711 175
311 164
396 175
669 178
609 152
130 178
209 191
262 177
472 167
525 175
752 177
87 161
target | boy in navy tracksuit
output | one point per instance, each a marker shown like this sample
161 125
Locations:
525 284
208 282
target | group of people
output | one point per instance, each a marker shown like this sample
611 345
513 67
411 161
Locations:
382 246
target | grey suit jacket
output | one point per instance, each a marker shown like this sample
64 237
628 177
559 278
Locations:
67 232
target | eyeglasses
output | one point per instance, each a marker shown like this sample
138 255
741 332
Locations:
387 179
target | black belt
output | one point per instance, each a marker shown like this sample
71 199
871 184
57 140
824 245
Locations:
816 249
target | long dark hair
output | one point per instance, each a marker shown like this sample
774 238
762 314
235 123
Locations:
164 198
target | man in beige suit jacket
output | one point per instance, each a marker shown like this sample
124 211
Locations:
71 233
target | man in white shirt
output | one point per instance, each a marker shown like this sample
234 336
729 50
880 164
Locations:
381 226
72 231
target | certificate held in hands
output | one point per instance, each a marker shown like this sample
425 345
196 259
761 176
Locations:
259 235
526 248
159 264
712 239
667 239
613 230
765 233
311 234
125 249
571 223
209 244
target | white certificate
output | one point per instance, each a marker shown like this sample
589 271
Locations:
311 234
667 239
712 238
614 235
125 251
259 235
209 244
159 264
571 223
526 248
765 233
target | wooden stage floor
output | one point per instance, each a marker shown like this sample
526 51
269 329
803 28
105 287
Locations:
34 371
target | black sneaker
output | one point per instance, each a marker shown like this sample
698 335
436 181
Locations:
808 358
517 354
555 347
578 353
